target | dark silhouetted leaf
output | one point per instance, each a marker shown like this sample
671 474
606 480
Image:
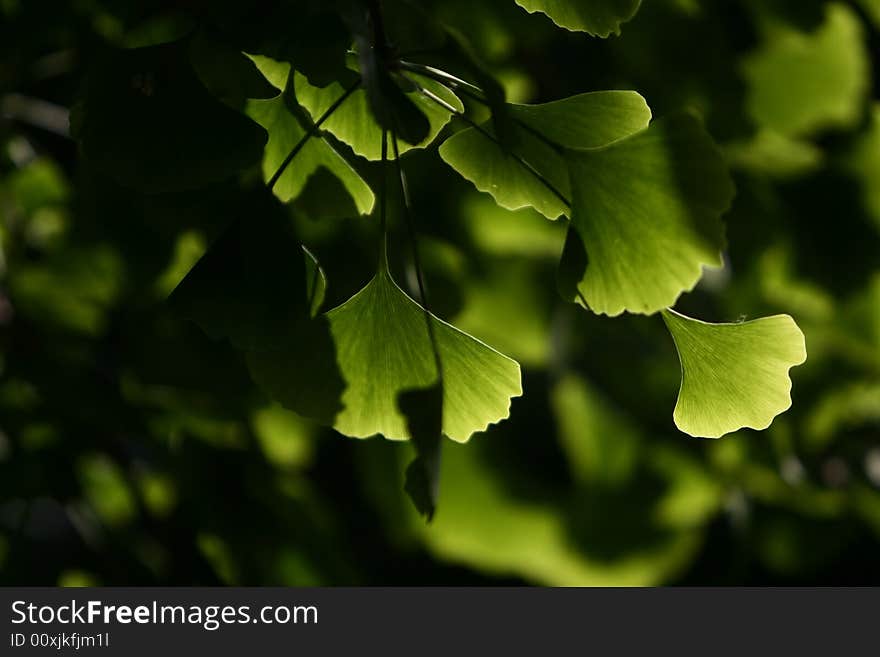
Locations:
146 120
423 410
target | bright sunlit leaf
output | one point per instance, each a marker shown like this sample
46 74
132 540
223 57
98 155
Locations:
596 17
354 124
285 132
278 116
647 211
383 349
583 121
733 375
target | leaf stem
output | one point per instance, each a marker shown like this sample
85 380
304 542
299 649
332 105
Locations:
312 131
383 205
446 79
380 40
476 126
471 91
420 278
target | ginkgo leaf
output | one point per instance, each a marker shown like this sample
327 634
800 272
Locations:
390 107
310 33
249 287
587 120
146 120
802 82
275 72
597 17
353 123
382 349
584 121
647 211
481 160
285 132
226 71
733 376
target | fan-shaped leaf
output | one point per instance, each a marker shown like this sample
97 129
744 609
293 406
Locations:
285 132
491 169
733 375
596 17
276 73
383 349
647 211
354 124
146 121
392 109
586 120
249 287
583 121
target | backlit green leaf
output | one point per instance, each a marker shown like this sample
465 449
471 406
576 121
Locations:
354 124
584 121
383 349
285 132
733 375
647 209
482 161
391 108
596 17
275 72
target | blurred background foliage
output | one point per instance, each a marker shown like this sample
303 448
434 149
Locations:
135 450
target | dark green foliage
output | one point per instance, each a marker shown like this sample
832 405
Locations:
146 121
185 310
423 409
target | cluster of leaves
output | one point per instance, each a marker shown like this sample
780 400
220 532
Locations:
644 199
224 152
